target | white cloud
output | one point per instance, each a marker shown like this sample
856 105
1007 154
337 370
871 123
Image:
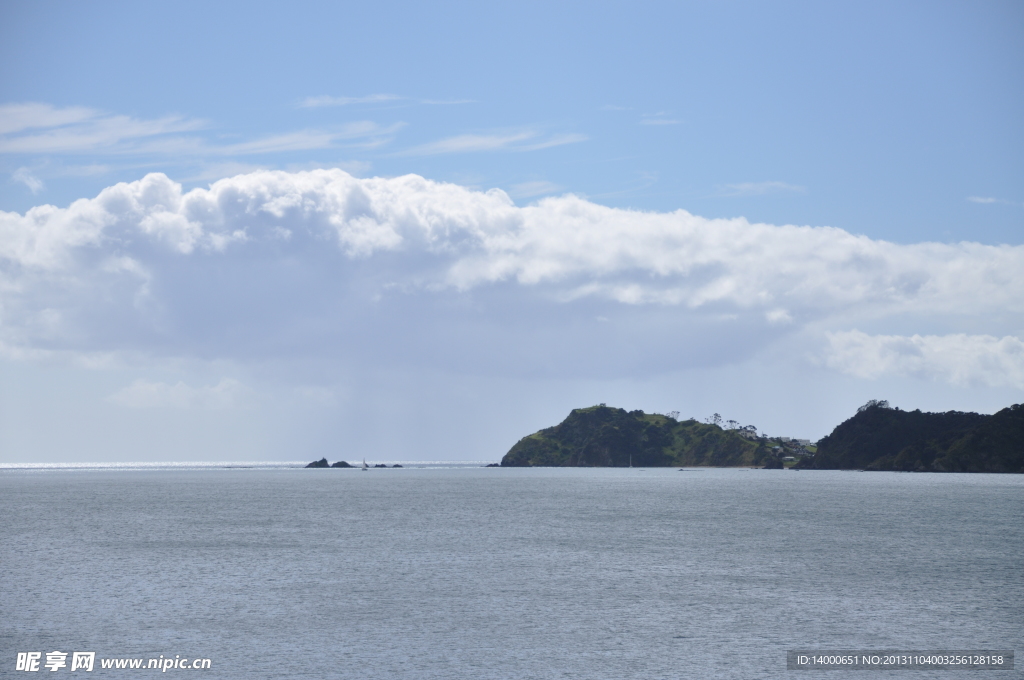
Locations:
25 176
143 394
958 359
297 253
481 237
758 188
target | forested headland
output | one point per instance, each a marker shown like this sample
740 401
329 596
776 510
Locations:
877 437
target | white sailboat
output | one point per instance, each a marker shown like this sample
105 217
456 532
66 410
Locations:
365 466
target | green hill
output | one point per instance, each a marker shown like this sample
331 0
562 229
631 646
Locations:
601 436
883 438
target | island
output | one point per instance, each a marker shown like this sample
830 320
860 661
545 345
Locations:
603 436
877 437
880 437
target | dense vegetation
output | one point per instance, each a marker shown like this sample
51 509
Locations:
882 438
876 438
601 436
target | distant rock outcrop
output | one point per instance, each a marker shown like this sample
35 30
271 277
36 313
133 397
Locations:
882 438
601 436
318 463
341 464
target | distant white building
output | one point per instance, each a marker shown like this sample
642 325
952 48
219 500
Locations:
803 442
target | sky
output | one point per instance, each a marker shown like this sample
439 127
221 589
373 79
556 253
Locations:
421 231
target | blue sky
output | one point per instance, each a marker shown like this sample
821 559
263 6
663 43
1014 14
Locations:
538 261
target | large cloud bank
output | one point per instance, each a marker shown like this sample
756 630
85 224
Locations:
303 248
957 358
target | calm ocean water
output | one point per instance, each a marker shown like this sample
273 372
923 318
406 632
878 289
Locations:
506 573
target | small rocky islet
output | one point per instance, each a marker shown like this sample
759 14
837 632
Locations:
322 463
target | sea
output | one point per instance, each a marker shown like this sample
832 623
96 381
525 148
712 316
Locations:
454 571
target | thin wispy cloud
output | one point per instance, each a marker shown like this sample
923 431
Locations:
44 129
367 131
25 176
524 140
215 171
30 115
640 183
88 134
360 134
555 140
758 189
470 143
327 100
354 168
33 177
534 188
988 200
659 118
90 170
445 102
